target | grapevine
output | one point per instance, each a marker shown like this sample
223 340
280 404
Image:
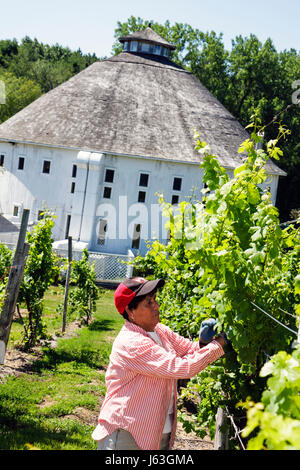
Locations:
226 254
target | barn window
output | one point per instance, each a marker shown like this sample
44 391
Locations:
177 184
175 199
21 163
107 192
41 214
1 160
102 232
136 236
109 176
46 166
142 196
144 178
74 171
73 188
16 211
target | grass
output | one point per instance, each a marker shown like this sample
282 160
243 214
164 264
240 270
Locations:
55 406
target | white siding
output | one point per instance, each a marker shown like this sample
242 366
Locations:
31 189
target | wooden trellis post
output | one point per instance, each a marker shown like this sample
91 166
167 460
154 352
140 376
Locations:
13 285
64 322
221 432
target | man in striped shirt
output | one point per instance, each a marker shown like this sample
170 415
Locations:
139 410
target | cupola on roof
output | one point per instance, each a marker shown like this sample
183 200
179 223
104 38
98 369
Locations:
146 42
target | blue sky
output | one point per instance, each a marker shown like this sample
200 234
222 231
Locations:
89 24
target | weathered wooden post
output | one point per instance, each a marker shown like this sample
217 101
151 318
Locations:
64 322
13 285
221 432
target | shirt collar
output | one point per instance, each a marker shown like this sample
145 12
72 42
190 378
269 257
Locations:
133 327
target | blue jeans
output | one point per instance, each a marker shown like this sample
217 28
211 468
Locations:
123 440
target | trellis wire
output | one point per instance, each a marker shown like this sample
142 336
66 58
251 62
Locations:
284 311
237 431
277 321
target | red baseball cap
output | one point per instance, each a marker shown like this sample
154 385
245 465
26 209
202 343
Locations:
134 287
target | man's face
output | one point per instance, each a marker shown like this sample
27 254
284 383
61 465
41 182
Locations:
146 314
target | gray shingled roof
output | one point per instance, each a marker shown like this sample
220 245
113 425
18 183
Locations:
6 226
131 104
9 233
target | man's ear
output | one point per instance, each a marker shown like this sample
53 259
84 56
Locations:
129 312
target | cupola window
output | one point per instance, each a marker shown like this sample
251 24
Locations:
145 47
156 49
134 46
165 52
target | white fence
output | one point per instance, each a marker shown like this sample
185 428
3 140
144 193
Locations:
108 267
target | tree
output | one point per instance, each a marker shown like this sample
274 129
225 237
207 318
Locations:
49 66
8 50
84 294
40 271
19 93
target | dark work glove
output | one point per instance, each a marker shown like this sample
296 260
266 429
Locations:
207 331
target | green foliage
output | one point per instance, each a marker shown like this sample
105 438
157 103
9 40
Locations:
40 271
277 416
47 66
31 68
6 257
85 293
226 252
5 263
19 92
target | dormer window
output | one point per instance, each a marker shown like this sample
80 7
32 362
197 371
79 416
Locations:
126 46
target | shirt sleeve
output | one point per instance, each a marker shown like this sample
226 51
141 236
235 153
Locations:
148 358
181 345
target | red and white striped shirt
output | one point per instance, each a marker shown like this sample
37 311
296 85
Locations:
139 381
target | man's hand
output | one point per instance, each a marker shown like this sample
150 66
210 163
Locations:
207 331
221 340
